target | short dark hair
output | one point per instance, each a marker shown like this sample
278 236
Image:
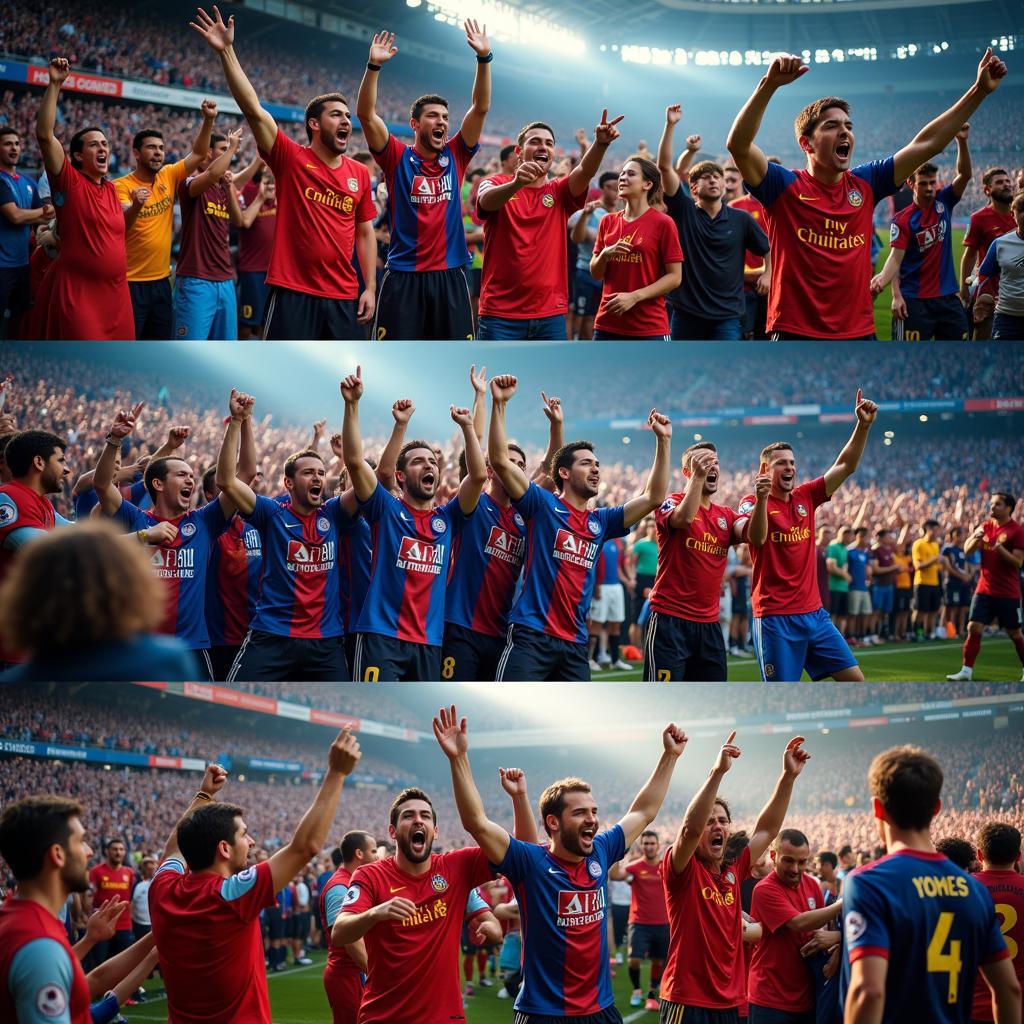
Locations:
403 454
999 843
925 169
407 794
649 832
907 781
29 827
416 110
552 800
564 458
204 829
315 107
216 138
527 128
707 446
22 448
722 803
464 468
158 470
959 851
306 453
776 446
606 177
1010 499
352 843
146 133
929 522
814 113
505 152
77 143
986 179
793 836
336 858
8 130
828 857
845 849
698 170
860 531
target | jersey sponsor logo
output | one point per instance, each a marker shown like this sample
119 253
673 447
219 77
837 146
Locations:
548 200
595 869
188 529
834 235
812 902
594 527
801 509
420 556
351 896
428 191
807 199
323 524
722 524
353 184
310 558
505 547
576 909
438 883
854 197
51 1001
174 563
855 926
8 510
253 544
438 525
519 521
570 548
935 234
709 544
722 899
436 911
331 199
214 209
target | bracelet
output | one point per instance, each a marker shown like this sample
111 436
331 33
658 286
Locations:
370 66
141 534
485 60
203 795
114 442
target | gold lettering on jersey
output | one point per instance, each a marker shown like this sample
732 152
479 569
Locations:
723 899
708 544
930 886
833 236
794 535
427 914
330 198
215 209
157 208
633 257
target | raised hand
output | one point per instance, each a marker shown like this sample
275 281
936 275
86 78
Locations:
344 753
673 113
337 447
866 409
785 69
214 779
795 757
701 463
125 420
461 415
240 404
234 139
451 732
478 380
218 34
762 482
319 427
402 410
991 71
209 109
476 36
727 754
161 534
693 143
606 133
581 136
553 408
228 178
59 68
661 425
529 171
176 437
513 781
503 387
352 386
102 925
382 47
961 136
674 739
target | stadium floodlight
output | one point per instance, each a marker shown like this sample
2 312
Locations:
923 417
508 24
698 437
413 3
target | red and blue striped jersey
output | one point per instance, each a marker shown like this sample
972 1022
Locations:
487 558
563 545
299 589
934 923
355 555
182 565
233 583
562 908
611 552
926 238
411 553
425 205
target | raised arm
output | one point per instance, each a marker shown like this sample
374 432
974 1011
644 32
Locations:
757 532
252 210
213 782
311 834
234 203
935 136
604 135
688 155
749 157
512 478
221 37
669 177
556 431
657 482
113 974
473 122
646 804
479 382
580 232
359 472
201 182
849 458
513 781
201 146
402 411
770 820
964 170
375 131
238 492
473 482
493 197
103 477
686 511
51 150
453 738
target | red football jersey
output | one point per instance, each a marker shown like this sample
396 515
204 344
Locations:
705 965
985 226
256 243
691 561
318 208
647 895
414 964
1007 889
779 978
207 929
655 243
525 274
113 884
752 206
997 579
785 577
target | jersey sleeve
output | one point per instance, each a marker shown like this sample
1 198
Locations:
377 504
137 492
345 523
491 181
263 512
947 194
389 156
334 899
121 187
248 892
476 904
280 153
990 264
462 153
865 919
39 981
756 238
663 513
775 181
680 204
602 234
130 517
361 895
571 202
610 846
879 175
532 500
975 233
816 491
515 865
770 906
899 235
213 518
613 520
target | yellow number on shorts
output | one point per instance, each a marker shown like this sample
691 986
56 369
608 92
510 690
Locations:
911 335
664 675
246 312
448 668
945 963
381 331
371 674
1008 914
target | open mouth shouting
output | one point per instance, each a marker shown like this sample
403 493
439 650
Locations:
717 843
711 480
844 149
418 842
316 492
438 136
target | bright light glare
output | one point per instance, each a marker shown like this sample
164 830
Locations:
508 24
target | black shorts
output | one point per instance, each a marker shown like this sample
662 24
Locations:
152 309
468 656
927 598
222 658
679 651
587 295
1005 610
610 1015
384 659
677 1013
942 319
253 295
740 600
839 602
266 657
15 299
957 595
648 941
769 1015
431 305
901 600
620 921
1007 327
300 925
290 315
532 656
277 925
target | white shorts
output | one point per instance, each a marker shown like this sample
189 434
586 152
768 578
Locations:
860 602
610 606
